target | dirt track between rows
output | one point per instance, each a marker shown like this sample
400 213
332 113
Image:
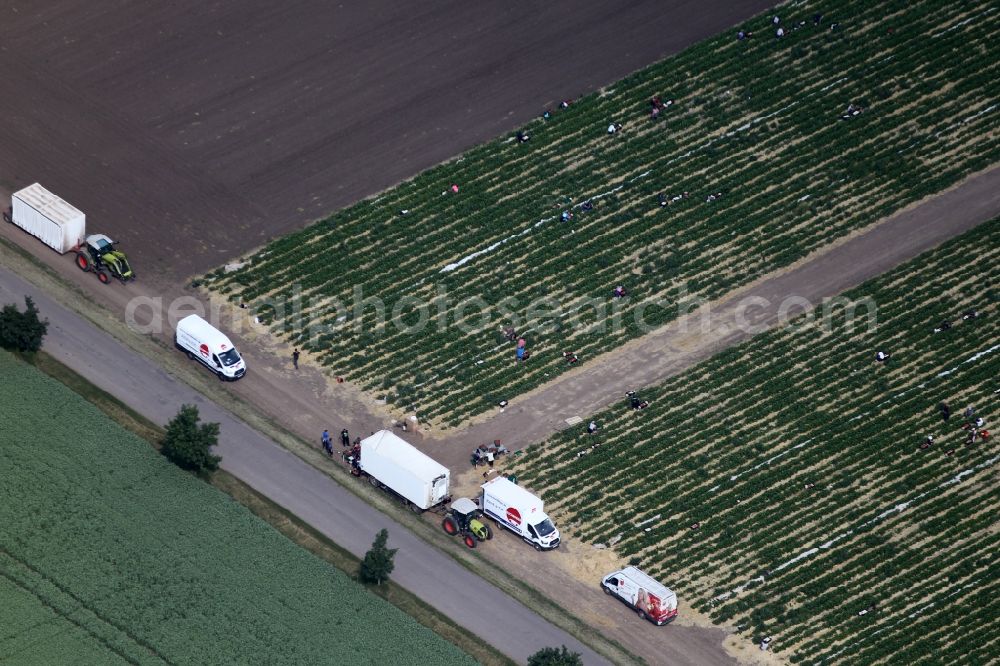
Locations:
194 132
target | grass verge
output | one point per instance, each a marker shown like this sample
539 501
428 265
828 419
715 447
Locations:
284 522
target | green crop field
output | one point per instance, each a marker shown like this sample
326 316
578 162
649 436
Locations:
110 554
781 485
757 121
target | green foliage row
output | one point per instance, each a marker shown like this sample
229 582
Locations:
798 443
757 120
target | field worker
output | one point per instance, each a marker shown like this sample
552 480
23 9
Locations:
945 411
612 129
779 33
326 442
979 422
345 438
520 353
592 428
881 356
295 359
454 188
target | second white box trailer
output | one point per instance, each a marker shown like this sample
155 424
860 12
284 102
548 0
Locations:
48 218
394 463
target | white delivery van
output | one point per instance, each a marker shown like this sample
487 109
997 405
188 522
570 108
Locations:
652 600
519 511
206 343
48 218
393 463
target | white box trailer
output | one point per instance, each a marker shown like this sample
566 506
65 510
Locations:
651 599
47 217
519 511
206 343
394 463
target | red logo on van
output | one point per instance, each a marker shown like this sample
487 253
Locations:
513 516
204 350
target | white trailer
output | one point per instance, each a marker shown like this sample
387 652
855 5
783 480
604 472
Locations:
519 511
47 217
391 462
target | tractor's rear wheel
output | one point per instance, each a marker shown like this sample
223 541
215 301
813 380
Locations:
469 541
449 526
642 614
375 482
414 508
82 261
190 355
488 530
7 217
103 277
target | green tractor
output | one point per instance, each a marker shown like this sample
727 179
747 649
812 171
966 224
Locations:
99 255
464 518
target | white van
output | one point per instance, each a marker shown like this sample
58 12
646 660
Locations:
206 343
519 511
651 599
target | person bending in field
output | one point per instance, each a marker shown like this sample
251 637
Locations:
619 292
882 356
943 326
969 314
636 402
853 111
522 137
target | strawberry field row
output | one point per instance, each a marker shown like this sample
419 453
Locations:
782 485
757 121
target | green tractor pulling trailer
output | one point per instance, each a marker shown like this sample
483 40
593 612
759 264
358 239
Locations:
62 226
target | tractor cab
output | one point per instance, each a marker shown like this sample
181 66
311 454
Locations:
465 518
100 256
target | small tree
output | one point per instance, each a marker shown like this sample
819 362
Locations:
188 444
551 656
378 564
22 331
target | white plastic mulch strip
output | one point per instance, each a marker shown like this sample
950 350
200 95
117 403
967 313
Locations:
898 508
957 590
708 144
972 359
